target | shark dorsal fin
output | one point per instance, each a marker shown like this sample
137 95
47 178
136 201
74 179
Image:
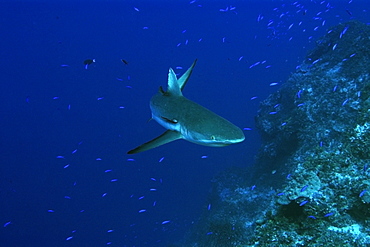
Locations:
185 77
173 85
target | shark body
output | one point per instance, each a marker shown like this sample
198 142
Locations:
185 119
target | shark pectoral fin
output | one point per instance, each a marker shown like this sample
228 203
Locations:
166 137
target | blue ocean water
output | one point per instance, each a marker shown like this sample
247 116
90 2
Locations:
66 179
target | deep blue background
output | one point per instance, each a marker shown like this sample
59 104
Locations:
49 110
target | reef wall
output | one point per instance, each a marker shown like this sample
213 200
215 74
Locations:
312 175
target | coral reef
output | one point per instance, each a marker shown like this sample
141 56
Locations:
312 176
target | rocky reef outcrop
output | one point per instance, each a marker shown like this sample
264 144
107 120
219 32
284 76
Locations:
311 183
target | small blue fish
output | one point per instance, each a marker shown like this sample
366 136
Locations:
343 32
362 193
299 94
328 214
7 223
304 188
255 64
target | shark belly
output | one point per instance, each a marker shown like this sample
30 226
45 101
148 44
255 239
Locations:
196 123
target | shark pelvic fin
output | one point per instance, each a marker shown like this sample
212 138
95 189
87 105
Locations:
166 137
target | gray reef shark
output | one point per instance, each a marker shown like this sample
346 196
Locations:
185 119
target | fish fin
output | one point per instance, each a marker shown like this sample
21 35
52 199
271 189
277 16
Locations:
185 77
166 137
161 91
173 85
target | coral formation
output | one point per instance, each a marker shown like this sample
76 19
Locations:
312 185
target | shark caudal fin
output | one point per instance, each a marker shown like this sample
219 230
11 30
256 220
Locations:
166 137
185 77
175 86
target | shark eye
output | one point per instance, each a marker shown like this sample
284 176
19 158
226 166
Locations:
213 138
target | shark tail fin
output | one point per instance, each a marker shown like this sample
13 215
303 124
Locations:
175 86
166 137
185 77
